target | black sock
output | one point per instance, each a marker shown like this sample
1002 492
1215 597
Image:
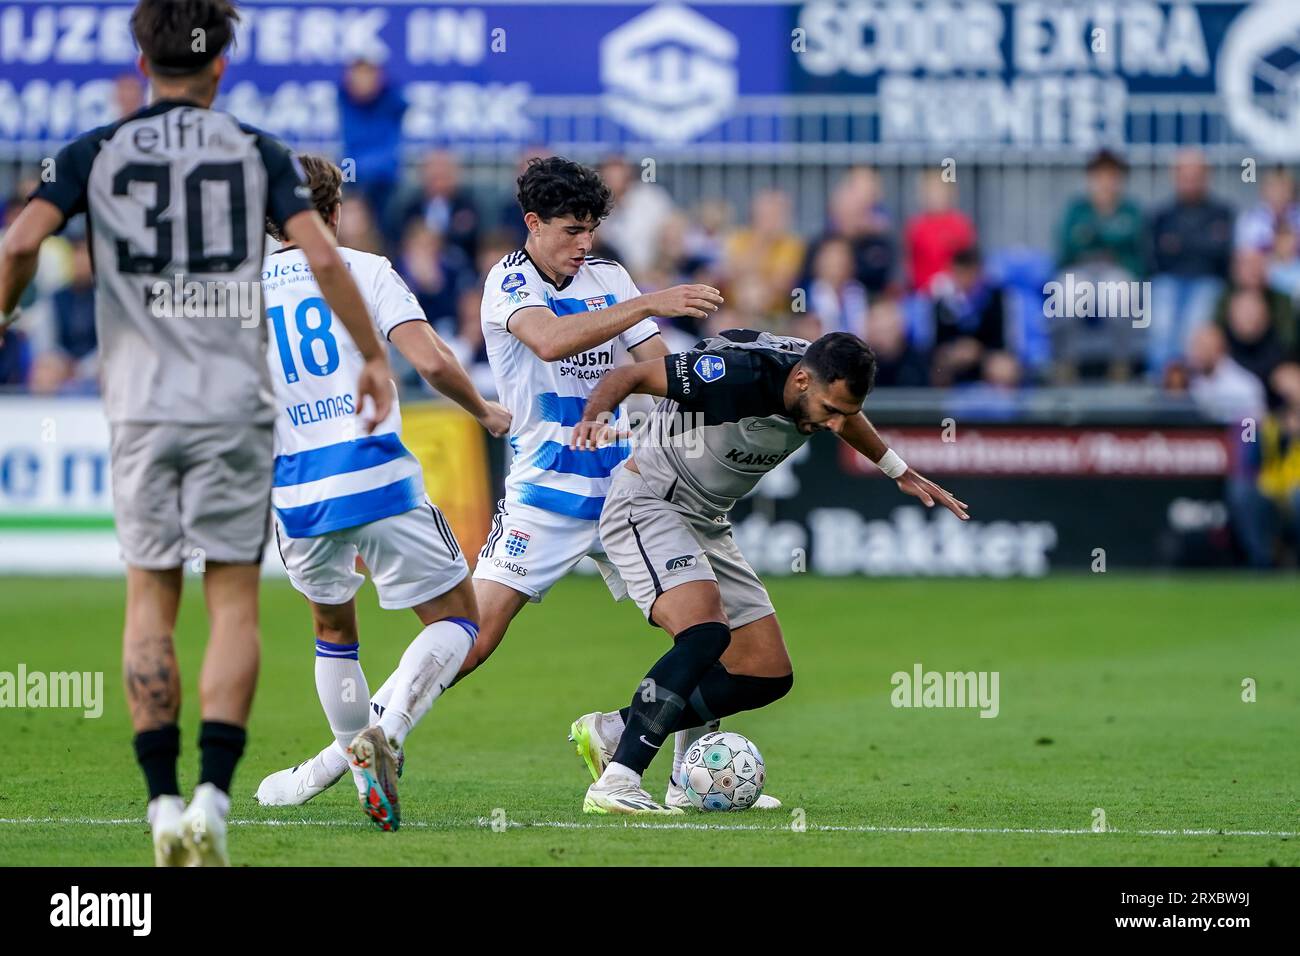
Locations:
721 694
661 698
220 747
156 752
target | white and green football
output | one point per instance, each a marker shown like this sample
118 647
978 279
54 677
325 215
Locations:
723 771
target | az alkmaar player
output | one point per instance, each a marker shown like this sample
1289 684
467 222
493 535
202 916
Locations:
555 321
752 399
337 496
179 189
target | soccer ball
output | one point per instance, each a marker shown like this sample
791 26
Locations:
723 771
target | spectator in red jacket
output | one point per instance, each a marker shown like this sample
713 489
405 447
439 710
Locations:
935 235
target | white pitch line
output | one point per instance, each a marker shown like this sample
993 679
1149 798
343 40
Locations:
484 823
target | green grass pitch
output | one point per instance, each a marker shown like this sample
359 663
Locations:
1117 693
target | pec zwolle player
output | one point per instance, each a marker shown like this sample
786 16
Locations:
338 495
733 409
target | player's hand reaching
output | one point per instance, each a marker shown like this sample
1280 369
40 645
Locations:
918 486
495 419
697 301
591 435
377 385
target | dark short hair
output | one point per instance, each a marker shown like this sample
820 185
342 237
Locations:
164 31
555 186
1106 158
325 180
841 355
967 257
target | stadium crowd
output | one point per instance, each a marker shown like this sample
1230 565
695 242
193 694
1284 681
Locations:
1218 305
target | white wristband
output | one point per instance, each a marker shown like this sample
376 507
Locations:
9 318
891 464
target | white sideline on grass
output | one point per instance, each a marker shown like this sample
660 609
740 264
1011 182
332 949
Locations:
485 823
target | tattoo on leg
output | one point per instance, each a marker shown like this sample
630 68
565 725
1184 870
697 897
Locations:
152 681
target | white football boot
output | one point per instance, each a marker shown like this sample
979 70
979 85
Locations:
294 786
375 755
203 827
621 794
165 823
595 744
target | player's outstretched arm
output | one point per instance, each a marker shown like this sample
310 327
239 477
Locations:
438 365
553 337
20 251
858 433
645 378
307 231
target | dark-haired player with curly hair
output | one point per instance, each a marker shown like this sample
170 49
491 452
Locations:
733 409
179 191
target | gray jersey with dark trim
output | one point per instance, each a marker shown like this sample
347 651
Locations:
723 425
177 199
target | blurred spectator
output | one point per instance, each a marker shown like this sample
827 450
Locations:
855 212
1250 271
1104 227
1284 266
1277 208
835 296
1191 248
996 395
15 358
74 320
767 254
1265 484
443 205
1100 250
492 248
969 319
357 227
370 120
509 218
641 209
898 362
1221 388
705 241
1252 341
468 342
128 95
437 273
937 233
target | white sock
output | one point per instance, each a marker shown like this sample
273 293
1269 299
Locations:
682 741
334 758
616 770
342 689
427 668
380 698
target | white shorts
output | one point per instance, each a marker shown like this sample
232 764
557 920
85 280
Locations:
413 557
529 549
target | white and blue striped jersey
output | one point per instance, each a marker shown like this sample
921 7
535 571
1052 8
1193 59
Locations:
546 399
328 475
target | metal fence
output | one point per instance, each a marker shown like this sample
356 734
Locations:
1014 191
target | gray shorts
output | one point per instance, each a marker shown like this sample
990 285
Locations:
657 545
185 493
